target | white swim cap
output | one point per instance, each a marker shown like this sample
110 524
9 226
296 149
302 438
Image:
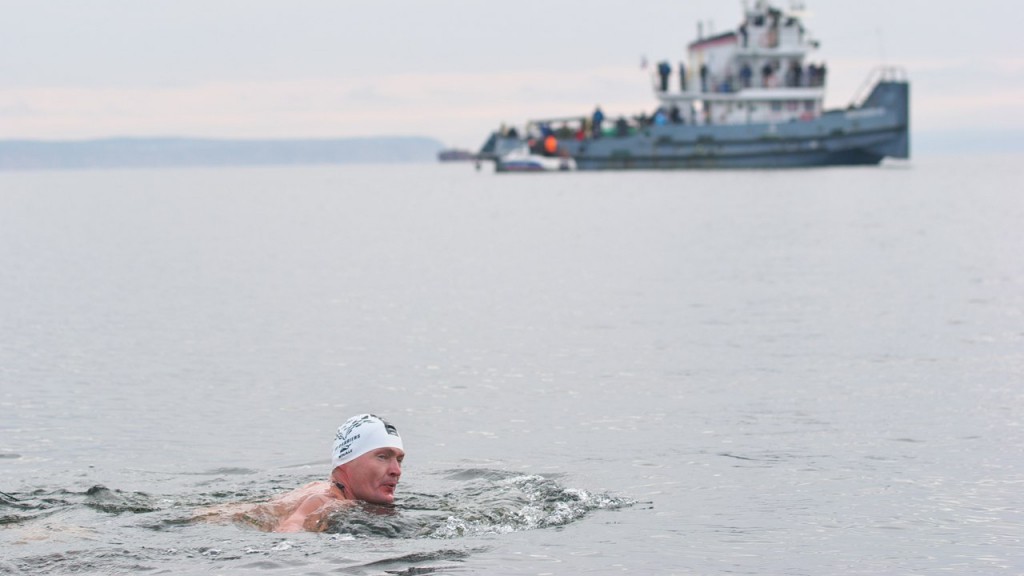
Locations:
360 434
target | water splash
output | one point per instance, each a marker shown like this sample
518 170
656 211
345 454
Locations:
478 502
485 502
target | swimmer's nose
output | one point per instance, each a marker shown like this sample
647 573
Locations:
395 468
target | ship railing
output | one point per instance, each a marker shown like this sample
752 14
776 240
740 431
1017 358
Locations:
561 126
879 74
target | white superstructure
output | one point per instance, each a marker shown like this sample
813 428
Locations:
758 73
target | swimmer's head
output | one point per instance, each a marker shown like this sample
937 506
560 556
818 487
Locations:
360 434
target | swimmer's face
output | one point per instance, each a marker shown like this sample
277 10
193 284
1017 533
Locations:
373 476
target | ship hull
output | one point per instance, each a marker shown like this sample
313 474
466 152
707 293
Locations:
693 148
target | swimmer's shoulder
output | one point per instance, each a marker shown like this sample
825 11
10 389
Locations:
311 512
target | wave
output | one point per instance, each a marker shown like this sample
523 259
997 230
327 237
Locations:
484 502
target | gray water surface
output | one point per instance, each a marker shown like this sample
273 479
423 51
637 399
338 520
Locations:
753 372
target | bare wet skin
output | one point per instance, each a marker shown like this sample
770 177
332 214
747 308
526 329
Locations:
268 516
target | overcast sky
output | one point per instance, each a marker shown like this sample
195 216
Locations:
450 69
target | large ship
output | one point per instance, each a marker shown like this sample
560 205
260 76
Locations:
747 98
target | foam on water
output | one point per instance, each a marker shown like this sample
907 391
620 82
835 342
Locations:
483 502
64 532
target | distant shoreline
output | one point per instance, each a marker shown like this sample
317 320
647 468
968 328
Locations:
130 152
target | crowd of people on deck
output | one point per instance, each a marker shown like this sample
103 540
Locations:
544 137
771 74
755 72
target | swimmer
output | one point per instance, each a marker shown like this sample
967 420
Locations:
366 465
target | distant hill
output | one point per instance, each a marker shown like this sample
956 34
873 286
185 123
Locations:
167 152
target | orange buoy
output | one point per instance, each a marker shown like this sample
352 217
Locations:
550 144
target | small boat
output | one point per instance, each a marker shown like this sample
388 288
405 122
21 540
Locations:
747 98
455 155
523 159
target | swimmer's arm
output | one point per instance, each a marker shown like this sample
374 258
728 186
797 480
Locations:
296 522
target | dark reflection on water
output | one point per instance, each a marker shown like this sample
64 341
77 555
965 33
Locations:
391 565
103 499
19 508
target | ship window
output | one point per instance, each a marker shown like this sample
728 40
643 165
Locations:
792 105
809 105
776 106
